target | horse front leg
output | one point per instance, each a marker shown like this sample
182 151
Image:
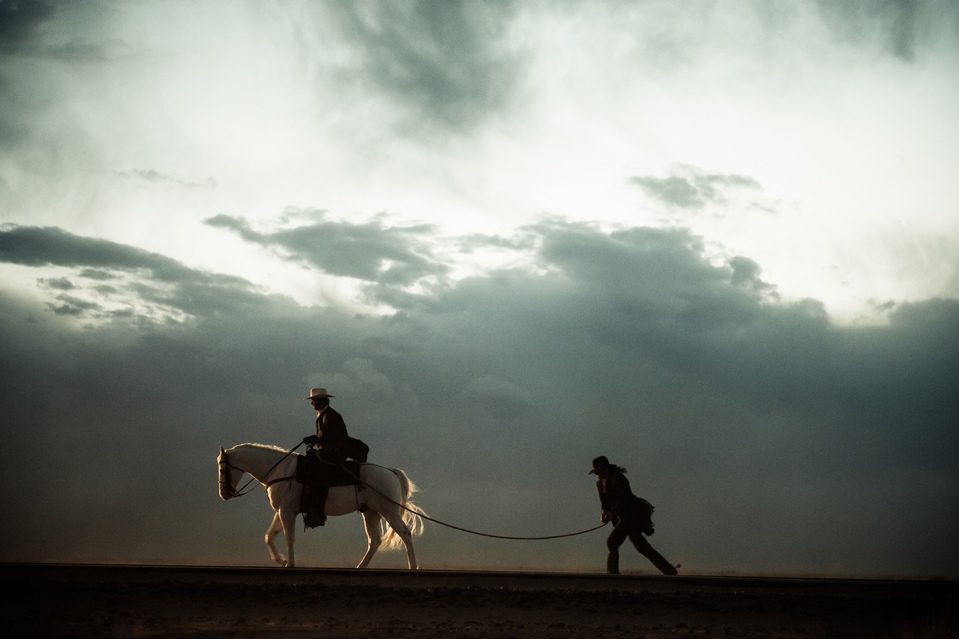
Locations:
288 517
371 520
275 527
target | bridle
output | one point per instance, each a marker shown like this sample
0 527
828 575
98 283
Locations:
227 490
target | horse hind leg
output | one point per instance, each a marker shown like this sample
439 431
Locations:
371 520
395 520
407 538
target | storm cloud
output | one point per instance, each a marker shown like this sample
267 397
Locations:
725 405
136 276
451 64
371 252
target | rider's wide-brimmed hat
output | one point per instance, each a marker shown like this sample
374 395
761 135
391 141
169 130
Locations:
318 392
599 462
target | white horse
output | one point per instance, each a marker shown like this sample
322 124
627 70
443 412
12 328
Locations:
377 498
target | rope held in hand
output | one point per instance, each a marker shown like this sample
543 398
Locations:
467 530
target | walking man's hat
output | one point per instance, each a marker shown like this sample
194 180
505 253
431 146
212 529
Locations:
599 462
318 392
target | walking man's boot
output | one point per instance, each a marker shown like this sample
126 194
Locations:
612 562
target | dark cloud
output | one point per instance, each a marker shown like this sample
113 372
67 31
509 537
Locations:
769 438
372 252
138 276
79 51
449 63
51 246
58 283
746 273
19 20
900 27
76 307
693 191
22 32
672 190
469 243
96 274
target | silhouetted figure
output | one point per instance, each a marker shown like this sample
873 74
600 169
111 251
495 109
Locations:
330 446
631 516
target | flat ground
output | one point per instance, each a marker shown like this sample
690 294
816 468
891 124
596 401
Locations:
58 601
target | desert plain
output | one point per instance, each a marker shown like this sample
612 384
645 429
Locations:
85 601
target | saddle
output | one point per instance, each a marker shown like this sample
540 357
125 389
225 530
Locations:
311 471
318 475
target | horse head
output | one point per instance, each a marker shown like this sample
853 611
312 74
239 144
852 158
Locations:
226 483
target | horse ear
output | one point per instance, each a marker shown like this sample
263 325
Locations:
221 450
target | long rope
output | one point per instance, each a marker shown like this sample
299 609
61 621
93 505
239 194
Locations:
240 493
483 534
461 529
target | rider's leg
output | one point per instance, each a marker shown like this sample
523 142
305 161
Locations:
316 503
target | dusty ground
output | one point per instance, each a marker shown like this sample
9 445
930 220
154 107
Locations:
84 601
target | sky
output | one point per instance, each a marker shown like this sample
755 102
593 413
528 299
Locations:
717 242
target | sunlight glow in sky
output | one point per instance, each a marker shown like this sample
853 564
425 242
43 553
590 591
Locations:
845 151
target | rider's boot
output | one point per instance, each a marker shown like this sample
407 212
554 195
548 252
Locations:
319 505
315 514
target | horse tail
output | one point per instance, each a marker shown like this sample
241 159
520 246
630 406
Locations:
411 512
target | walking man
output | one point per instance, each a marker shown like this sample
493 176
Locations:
631 516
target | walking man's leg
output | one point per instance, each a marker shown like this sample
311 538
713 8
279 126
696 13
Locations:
647 551
613 542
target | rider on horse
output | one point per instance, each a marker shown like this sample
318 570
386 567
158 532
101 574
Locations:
329 447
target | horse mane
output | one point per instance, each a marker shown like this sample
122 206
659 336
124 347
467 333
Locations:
272 447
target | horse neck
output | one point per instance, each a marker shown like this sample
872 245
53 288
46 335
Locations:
254 459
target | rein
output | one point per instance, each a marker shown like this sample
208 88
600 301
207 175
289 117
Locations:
239 492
